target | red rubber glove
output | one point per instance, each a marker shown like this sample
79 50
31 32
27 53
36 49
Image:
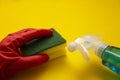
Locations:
11 62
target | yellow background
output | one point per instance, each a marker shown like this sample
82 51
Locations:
72 18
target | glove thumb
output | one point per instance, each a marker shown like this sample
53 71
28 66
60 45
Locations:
24 63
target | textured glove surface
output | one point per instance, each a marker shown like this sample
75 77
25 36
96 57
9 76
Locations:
11 62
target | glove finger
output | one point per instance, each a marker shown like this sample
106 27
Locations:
25 63
17 39
22 31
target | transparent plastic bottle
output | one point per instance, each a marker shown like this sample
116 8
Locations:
110 55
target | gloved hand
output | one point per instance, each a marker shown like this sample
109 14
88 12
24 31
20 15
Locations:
11 62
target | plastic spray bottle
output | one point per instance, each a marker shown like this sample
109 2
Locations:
110 55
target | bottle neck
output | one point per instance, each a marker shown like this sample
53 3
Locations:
100 48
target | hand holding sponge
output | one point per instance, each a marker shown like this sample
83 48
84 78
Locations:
50 45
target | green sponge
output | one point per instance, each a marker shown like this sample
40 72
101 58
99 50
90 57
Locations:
44 45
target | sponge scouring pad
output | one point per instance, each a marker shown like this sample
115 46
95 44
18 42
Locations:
49 45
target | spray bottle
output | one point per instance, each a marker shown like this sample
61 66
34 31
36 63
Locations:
110 55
